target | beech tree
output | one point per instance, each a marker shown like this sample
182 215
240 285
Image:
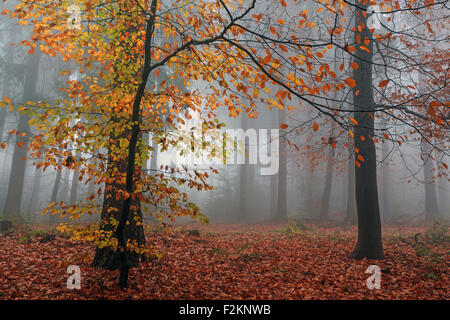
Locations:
237 48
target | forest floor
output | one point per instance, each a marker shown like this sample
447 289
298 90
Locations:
292 260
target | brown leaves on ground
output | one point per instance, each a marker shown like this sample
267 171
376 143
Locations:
266 261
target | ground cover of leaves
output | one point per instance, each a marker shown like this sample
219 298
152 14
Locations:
293 260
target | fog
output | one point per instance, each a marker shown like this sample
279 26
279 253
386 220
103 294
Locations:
312 180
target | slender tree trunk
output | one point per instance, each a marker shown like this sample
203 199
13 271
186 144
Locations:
309 191
444 197
369 244
273 195
350 213
6 87
106 257
55 191
431 202
74 188
154 157
386 183
274 177
17 174
243 180
34 201
2 120
282 213
326 195
65 190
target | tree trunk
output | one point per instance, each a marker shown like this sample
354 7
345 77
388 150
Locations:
350 213
17 174
107 257
154 156
282 177
34 201
274 178
431 202
386 189
74 188
369 244
444 197
55 191
326 195
243 179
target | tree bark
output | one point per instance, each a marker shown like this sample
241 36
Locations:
369 244
74 188
282 213
55 191
107 257
350 213
386 189
326 195
34 201
17 174
431 202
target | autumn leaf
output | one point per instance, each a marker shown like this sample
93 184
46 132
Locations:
7 100
315 126
354 65
284 126
383 83
364 48
350 82
283 48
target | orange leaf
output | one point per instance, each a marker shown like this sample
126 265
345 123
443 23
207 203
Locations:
315 126
383 83
354 65
354 121
283 48
7 100
350 82
284 126
364 48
